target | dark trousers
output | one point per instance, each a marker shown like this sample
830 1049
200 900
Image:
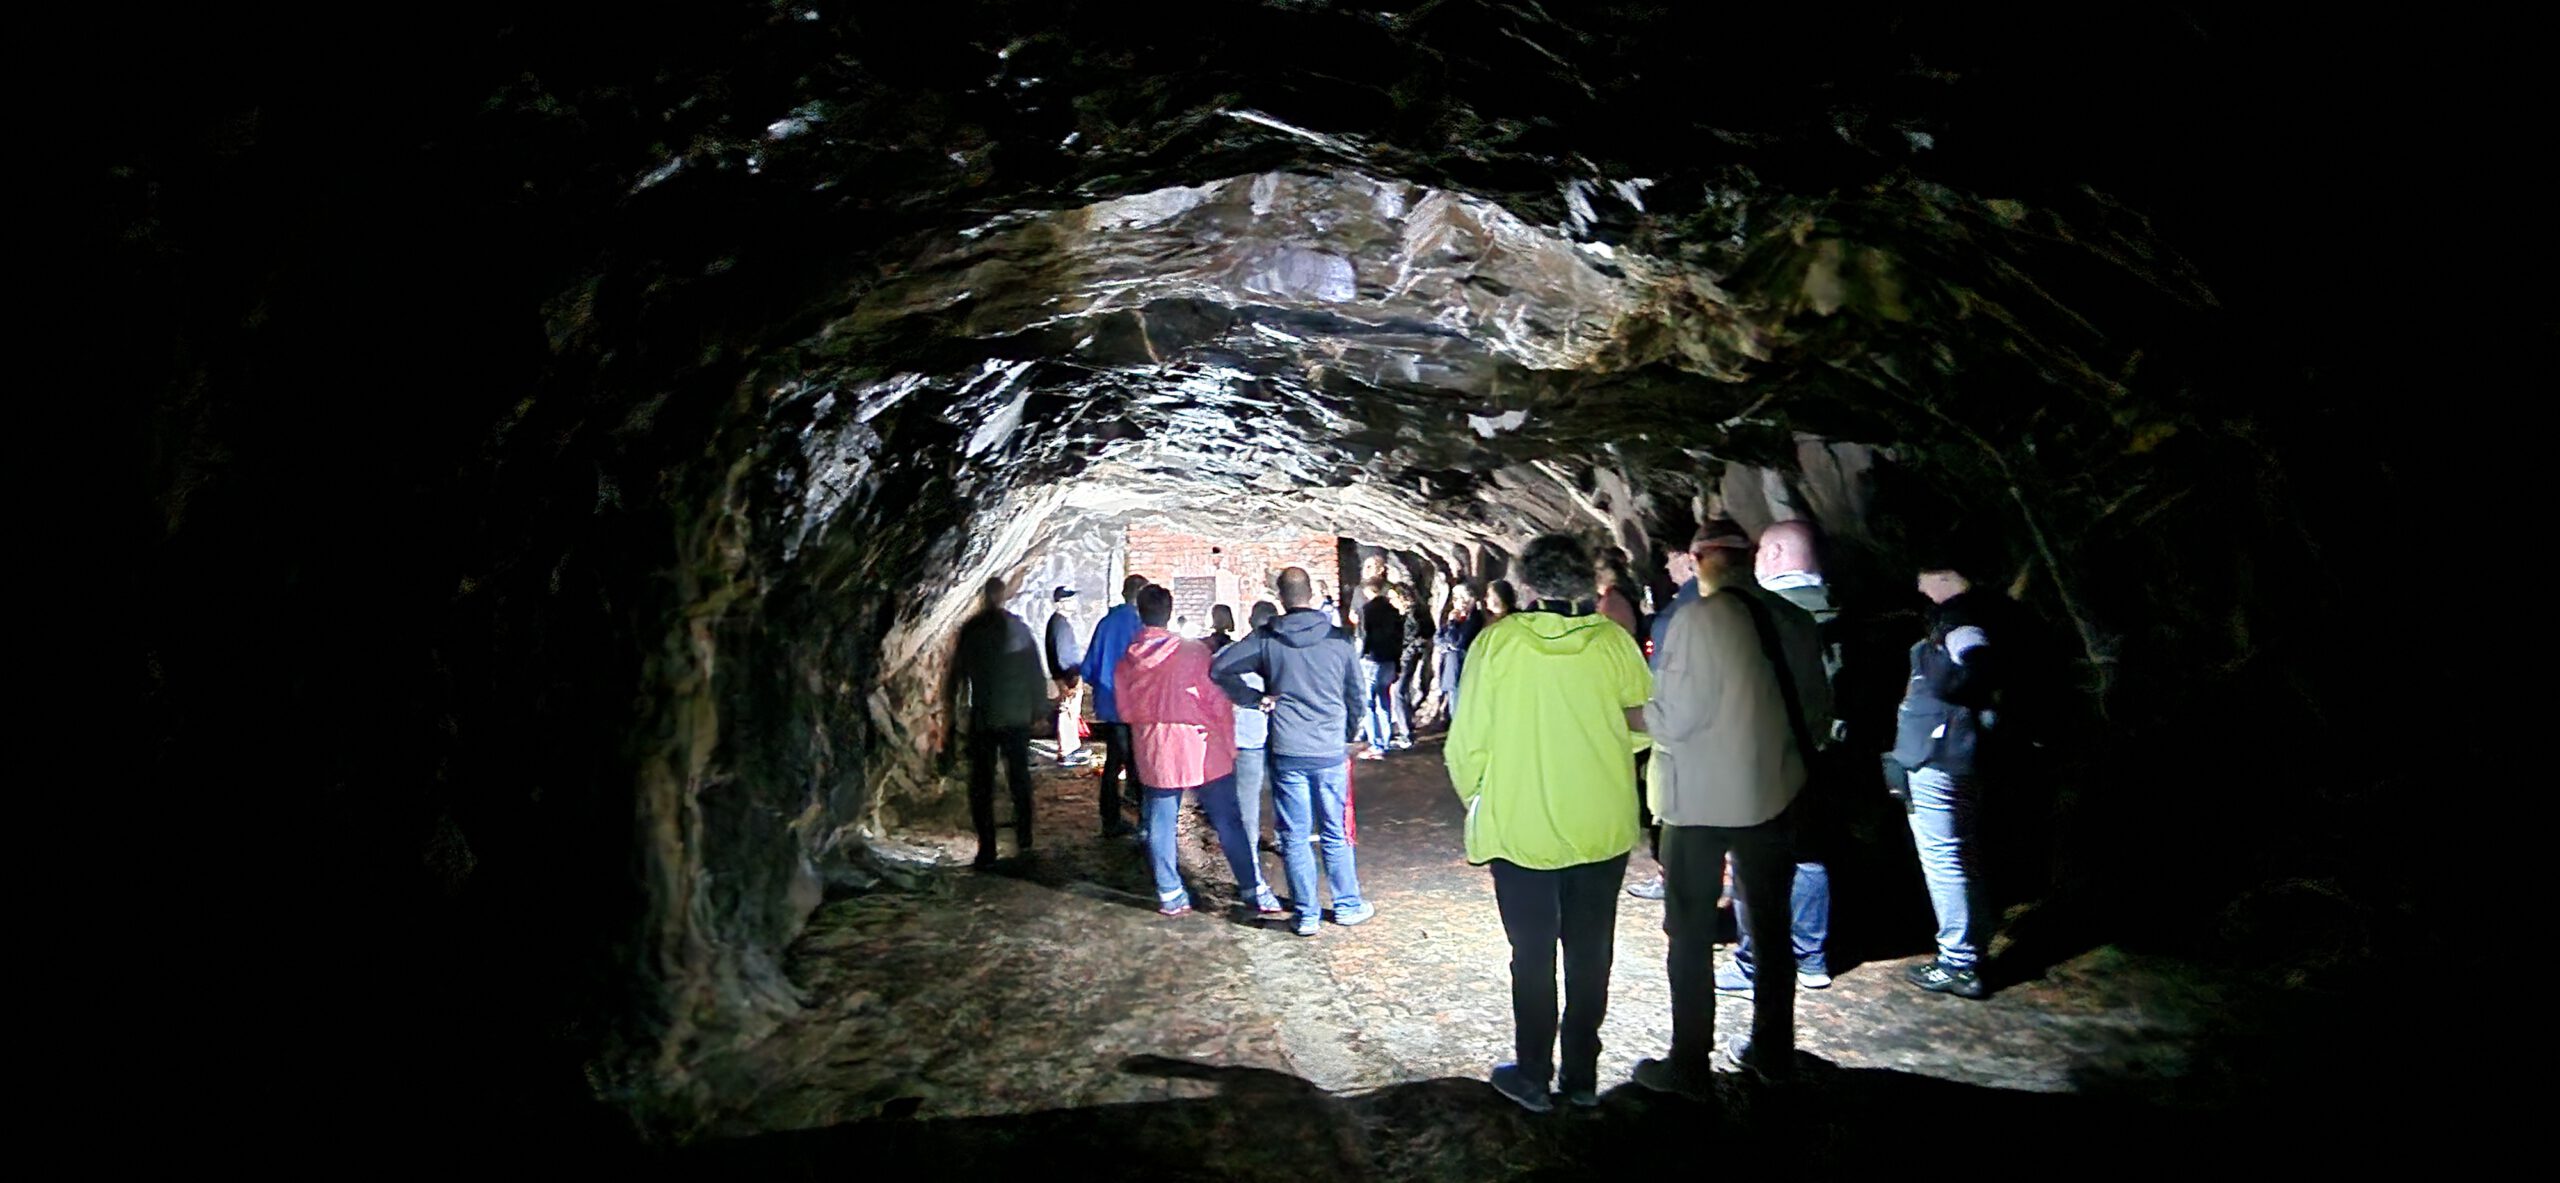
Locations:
1577 906
1692 876
1119 759
986 745
1644 813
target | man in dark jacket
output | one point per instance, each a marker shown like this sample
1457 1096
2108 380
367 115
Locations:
1381 658
1066 662
999 665
1314 685
1945 720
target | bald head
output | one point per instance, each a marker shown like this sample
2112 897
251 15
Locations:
1786 548
1297 589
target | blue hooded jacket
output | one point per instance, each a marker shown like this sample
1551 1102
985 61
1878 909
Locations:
1111 637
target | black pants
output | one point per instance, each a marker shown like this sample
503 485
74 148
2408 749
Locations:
1579 907
1644 813
1692 876
986 744
1119 759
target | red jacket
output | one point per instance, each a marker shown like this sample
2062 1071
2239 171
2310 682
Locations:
1182 726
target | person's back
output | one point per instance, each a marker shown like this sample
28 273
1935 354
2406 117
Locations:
1066 653
1723 751
996 663
1543 754
1183 733
1314 677
1001 662
1182 726
1381 630
1541 745
1313 680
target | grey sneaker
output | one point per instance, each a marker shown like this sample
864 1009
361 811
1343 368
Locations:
1661 1077
1528 1094
1650 889
1347 917
1812 979
1730 979
1772 1069
1307 926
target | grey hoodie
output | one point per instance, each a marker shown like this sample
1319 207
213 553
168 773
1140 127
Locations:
1312 668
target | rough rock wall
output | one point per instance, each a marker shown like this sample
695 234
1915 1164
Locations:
570 442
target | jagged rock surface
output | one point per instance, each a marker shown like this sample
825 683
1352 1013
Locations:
724 347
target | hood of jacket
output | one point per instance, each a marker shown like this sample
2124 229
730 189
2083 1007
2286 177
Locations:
1302 628
1548 632
1152 648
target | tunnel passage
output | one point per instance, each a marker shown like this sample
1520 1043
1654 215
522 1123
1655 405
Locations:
590 446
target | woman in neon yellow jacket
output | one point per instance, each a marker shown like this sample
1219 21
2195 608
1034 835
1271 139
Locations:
1543 754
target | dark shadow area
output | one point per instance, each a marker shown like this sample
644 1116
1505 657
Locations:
1271 1125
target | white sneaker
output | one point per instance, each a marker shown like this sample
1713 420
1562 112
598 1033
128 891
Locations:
1813 979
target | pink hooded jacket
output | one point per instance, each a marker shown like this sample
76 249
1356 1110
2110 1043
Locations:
1182 726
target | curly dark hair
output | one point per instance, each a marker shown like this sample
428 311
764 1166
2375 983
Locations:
1556 567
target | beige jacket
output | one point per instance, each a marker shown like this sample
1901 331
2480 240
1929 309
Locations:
1723 754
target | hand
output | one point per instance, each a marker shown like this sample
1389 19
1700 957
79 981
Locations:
1269 703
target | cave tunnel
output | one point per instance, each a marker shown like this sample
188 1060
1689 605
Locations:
574 440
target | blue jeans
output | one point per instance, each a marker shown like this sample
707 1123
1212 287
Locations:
1253 788
1311 802
1809 901
1218 800
1386 721
1942 827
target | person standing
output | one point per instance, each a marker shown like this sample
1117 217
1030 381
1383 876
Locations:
998 665
1066 657
1683 567
1945 721
1253 763
1458 630
1182 732
1543 756
1102 654
1381 650
1312 686
1728 761
1786 571
1222 628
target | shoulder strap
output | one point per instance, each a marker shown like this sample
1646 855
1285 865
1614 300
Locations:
1775 651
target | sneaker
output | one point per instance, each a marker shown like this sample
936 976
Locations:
1172 910
1307 926
1650 889
1347 917
1528 1094
1772 1069
1812 979
1732 979
1937 977
1372 754
1580 1094
1268 907
1661 1077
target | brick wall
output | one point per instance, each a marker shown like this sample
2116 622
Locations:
1162 555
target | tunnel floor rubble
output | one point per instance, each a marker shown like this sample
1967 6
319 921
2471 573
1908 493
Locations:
1044 1009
